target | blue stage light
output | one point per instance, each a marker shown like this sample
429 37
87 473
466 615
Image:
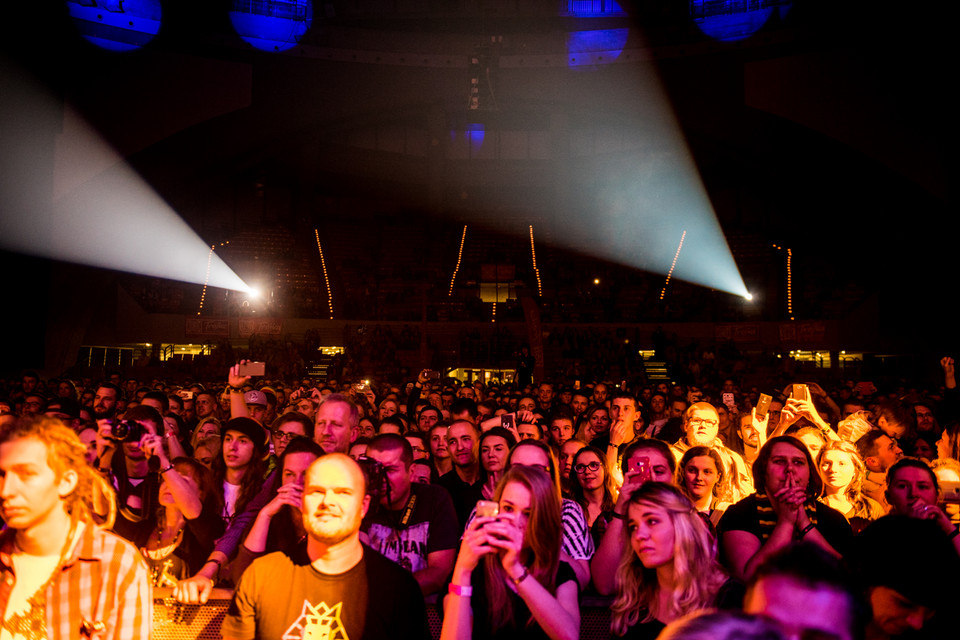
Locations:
735 19
271 25
117 26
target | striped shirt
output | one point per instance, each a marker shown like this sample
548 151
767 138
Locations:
577 541
104 580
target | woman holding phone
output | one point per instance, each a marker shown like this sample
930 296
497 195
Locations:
509 581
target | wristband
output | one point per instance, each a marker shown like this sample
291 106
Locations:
163 471
459 590
523 576
953 534
618 516
805 531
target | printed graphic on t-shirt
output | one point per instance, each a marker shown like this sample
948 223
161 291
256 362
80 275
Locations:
317 623
407 547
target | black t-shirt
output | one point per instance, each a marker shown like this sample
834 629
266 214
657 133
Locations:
279 598
431 526
465 496
743 516
521 613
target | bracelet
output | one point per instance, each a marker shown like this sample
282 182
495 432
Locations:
805 531
164 470
523 576
953 534
610 444
237 389
460 590
618 516
216 562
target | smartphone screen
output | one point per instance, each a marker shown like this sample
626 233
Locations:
253 369
763 405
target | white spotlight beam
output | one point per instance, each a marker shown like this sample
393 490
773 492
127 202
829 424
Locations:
118 222
646 190
103 213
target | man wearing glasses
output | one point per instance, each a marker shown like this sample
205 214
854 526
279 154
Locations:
701 422
287 427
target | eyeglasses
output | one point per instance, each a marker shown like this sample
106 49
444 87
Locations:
696 422
593 466
285 435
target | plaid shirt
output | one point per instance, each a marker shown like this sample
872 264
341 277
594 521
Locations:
104 580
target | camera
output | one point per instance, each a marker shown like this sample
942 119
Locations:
376 475
125 431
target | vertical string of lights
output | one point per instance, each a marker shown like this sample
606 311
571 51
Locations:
536 271
789 280
663 292
326 276
790 283
453 279
206 278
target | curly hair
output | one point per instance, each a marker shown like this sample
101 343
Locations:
697 574
852 491
92 500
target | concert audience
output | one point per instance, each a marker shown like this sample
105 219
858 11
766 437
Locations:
170 509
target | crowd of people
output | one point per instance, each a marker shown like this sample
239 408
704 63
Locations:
341 505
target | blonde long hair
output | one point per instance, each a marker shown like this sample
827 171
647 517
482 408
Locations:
697 574
92 500
541 543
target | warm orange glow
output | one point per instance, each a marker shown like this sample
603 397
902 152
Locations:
536 271
663 292
326 276
453 279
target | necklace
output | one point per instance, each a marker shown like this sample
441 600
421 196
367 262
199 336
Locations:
158 551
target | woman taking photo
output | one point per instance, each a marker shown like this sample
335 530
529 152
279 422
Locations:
783 509
842 472
508 581
700 476
668 568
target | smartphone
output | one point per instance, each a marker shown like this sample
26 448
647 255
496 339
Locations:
487 509
800 392
763 405
506 421
728 399
640 467
252 369
185 395
432 376
576 384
